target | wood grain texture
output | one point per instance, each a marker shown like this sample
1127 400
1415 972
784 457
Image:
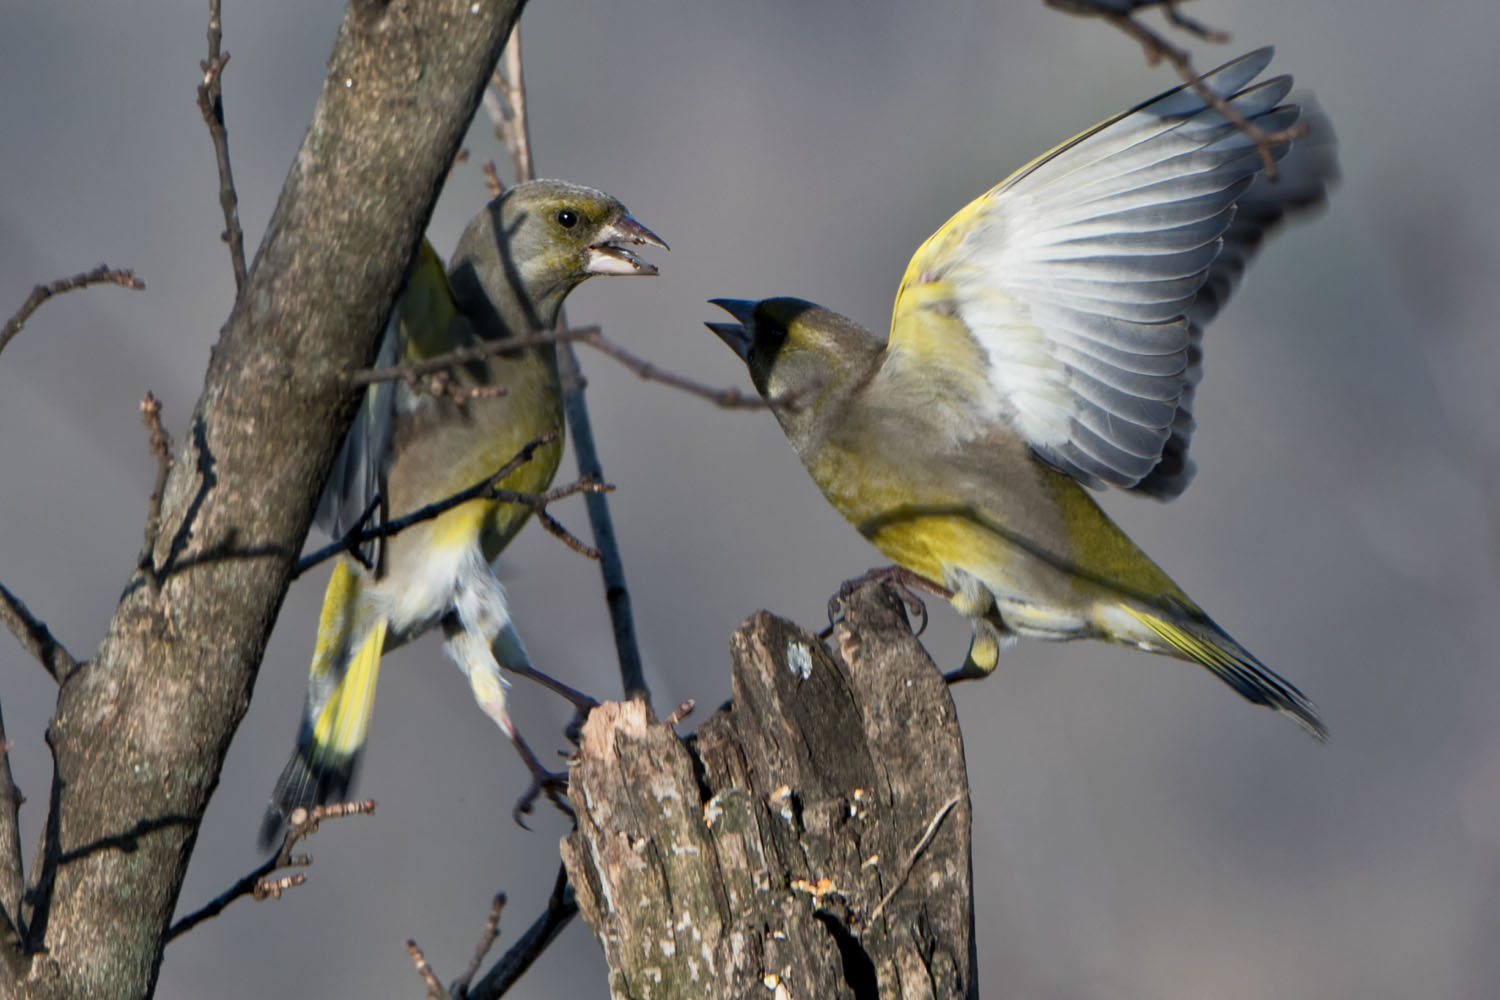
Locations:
751 859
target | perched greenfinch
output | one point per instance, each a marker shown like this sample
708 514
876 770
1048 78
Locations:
515 263
1044 340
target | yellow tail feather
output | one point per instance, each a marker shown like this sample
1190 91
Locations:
341 727
1205 643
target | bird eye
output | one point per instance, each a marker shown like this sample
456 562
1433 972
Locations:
567 218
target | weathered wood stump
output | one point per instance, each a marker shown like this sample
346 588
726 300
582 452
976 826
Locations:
812 839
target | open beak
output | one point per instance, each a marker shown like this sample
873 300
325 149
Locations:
611 253
737 334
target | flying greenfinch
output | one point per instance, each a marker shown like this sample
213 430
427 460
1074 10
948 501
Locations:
1045 340
515 263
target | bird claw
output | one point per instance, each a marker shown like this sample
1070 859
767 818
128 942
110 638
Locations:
552 783
902 580
573 731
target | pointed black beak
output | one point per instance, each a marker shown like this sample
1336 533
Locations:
737 335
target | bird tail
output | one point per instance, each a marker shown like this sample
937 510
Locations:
340 697
1201 641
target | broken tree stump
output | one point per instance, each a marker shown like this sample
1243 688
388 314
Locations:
812 839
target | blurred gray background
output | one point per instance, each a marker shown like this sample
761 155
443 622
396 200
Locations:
1139 831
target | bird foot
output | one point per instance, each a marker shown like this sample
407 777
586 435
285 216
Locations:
905 582
554 784
582 704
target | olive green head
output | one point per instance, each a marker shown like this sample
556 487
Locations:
802 357
791 345
538 241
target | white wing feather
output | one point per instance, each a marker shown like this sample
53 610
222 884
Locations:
1080 276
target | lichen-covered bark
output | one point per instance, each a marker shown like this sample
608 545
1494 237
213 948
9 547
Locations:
752 859
141 730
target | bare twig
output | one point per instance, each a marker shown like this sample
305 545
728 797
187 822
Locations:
911 859
561 908
161 447
412 372
355 538
101 275
487 489
211 104
462 156
257 884
492 179
729 399
12 875
430 374
1158 48
1112 11
35 637
486 941
506 105
425 970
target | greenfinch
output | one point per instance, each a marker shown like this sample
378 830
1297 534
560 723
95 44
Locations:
1045 340
514 265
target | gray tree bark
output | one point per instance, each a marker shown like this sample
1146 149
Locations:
810 841
141 729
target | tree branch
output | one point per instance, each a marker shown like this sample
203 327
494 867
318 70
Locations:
35 637
12 874
1158 48
211 104
177 666
258 884
161 447
485 488
561 908
101 275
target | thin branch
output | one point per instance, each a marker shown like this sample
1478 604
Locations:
211 104
425 970
419 375
1158 48
505 102
511 126
12 874
486 489
1112 11
916 852
482 948
611 564
161 447
302 824
355 538
561 908
35 637
412 372
101 275
492 179
729 399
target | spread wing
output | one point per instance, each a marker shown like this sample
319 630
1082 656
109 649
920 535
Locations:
420 326
1084 279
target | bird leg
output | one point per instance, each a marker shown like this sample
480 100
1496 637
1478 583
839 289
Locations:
512 654
553 783
905 583
475 653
